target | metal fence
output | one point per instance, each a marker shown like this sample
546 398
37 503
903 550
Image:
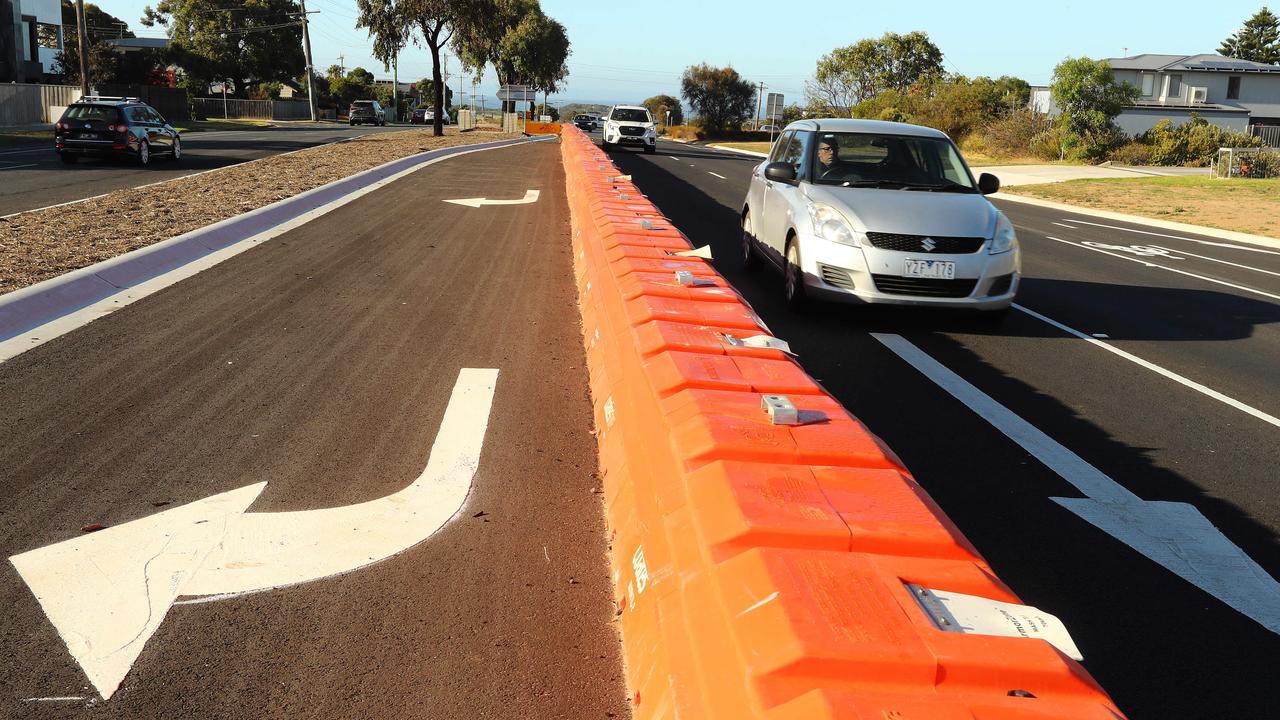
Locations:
1258 163
1270 134
233 108
25 104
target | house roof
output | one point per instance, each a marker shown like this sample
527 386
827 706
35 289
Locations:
1191 63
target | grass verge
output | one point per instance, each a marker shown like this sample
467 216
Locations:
1248 206
42 244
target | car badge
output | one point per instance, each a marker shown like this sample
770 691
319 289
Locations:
928 244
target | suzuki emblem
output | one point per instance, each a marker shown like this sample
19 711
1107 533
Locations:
928 244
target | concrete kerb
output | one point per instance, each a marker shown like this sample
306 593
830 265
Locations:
27 308
1148 222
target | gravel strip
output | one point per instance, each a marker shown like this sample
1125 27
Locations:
42 244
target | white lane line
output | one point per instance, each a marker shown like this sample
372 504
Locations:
1174 535
1185 382
17 167
1206 278
717 175
1224 262
1179 237
1069 227
28 150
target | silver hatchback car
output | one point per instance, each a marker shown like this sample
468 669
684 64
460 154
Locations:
879 212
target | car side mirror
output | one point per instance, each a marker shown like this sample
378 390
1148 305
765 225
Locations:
988 184
780 172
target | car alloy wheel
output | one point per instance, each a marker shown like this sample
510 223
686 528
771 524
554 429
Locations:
793 283
177 149
748 243
144 153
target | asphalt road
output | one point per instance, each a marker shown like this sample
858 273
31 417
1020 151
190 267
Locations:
322 362
1196 307
32 176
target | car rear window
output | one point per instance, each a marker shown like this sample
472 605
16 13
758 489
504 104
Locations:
362 104
107 113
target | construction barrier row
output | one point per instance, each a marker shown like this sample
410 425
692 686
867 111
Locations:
765 569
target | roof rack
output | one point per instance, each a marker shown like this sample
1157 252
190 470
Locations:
107 98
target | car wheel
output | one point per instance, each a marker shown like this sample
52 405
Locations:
68 158
176 155
144 153
793 277
353 123
750 261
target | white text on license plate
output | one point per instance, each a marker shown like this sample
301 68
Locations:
936 269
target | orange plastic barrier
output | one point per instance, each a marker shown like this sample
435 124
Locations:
761 570
541 128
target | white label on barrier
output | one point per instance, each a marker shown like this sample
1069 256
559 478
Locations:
642 570
609 413
631 596
970 614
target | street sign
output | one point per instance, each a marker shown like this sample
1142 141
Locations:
773 106
512 93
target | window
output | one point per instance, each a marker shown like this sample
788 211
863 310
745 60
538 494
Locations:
798 151
92 112
1148 84
47 36
1233 88
872 159
1175 86
780 146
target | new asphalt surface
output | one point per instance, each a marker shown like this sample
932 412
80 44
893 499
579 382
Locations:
322 362
1205 309
32 176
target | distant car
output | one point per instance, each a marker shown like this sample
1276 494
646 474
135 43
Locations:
426 116
366 111
114 127
630 125
584 122
865 211
768 128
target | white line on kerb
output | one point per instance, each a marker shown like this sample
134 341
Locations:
1178 237
717 175
1206 278
1192 384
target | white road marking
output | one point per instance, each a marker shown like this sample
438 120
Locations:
1206 278
530 196
1102 336
48 149
1174 535
1171 375
717 175
1069 227
15 167
1179 237
1139 250
1224 262
107 593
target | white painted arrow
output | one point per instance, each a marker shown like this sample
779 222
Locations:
530 196
1174 535
108 592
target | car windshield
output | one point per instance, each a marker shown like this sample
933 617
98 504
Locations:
107 113
630 115
891 161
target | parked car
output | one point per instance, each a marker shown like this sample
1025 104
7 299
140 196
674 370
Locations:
866 211
114 127
427 116
366 111
630 125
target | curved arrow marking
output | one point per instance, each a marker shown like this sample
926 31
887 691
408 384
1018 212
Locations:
530 196
108 592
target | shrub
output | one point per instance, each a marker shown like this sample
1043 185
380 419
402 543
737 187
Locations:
683 132
1194 142
1056 143
1133 153
1011 135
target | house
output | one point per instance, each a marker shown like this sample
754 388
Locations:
30 39
1230 93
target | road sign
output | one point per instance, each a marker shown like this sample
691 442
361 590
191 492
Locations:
773 106
512 93
108 592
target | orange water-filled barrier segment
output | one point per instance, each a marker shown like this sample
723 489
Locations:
763 569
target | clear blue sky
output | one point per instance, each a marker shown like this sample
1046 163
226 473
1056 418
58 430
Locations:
617 60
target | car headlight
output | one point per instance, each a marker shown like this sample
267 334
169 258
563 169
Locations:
829 224
1005 238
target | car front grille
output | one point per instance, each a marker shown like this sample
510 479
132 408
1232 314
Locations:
926 243
836 276
632 131
921 287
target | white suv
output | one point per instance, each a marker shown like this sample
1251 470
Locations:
629 125
876 212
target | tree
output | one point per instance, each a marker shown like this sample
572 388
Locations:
856 73
1258 40
390 30
427 90
248 42
1089 96
720 96
105 63
522 44
660 105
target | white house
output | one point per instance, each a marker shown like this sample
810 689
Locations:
31 36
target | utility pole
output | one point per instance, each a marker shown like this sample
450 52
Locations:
306 51
395 86
342 63
759 97
83 39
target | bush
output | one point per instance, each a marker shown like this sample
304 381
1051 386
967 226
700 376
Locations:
684 132
1193 143
1265 164
1133 153
1011 135
1056 143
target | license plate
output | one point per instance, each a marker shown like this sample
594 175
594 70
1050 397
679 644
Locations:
87 136
933 269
